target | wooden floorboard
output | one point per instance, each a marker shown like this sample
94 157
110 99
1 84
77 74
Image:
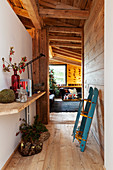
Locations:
59 152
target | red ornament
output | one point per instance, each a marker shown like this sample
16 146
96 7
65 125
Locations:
23 69
3 65
10 59
20 71
23 64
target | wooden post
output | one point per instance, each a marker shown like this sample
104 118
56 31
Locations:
35 42
44 75
35 47
83 62
41 72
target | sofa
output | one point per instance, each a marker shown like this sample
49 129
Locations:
51 98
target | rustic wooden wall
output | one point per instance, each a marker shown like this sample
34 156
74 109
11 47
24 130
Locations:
94 64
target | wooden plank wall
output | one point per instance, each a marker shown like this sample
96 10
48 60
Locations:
94 65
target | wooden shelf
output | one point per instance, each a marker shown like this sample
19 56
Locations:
16 107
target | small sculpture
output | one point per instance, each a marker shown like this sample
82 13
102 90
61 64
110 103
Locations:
21 95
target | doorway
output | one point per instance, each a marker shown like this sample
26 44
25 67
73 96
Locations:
64 87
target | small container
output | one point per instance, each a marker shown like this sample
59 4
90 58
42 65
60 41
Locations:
21 95
65 97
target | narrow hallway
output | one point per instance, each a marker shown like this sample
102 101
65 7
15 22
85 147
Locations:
59 152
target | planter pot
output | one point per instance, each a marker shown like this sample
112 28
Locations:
28 149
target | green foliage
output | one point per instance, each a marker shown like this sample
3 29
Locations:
31 133
52 82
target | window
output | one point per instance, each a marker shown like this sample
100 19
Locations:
59 73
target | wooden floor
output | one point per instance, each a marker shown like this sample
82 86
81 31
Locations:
59 152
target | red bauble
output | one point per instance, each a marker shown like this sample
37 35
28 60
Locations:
10 59
20 71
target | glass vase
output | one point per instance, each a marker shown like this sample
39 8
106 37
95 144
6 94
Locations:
15 81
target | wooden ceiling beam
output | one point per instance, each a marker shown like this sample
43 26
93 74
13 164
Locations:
58 22
32 9
21 1
43 3
60 38
16 3
50 52
55 4
64 34
56 58
51 2
67 14
26 22
55 62
65 6
21 12
66 54
66 30
67 57
72 50
63 44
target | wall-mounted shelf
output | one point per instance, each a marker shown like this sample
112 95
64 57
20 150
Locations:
15 107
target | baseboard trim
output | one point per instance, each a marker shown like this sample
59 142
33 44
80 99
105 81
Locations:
8 161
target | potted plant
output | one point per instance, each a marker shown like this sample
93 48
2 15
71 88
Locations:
7 65
32 137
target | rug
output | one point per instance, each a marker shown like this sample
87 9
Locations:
65 106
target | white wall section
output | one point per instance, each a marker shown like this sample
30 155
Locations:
108 72
12 33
